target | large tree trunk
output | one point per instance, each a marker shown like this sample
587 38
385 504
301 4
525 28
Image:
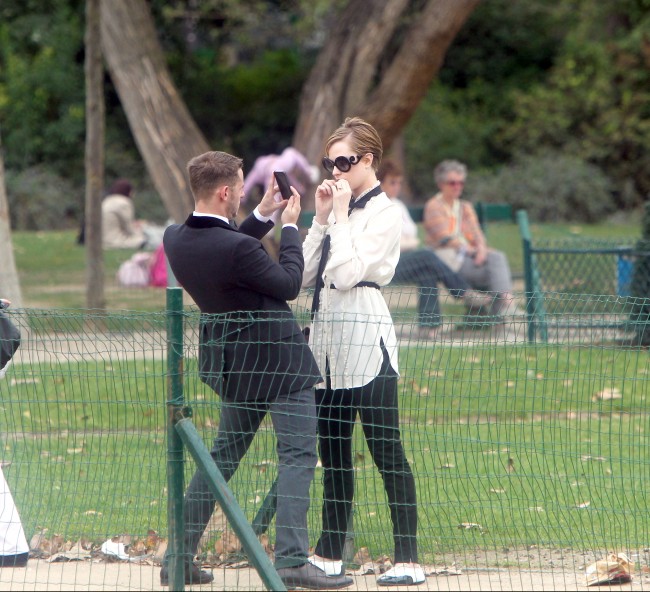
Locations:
342 82
94 159
9 283
163 128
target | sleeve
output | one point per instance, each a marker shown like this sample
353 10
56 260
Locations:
471 227
257 271
436 223
369 255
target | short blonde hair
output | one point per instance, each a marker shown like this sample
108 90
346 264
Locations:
211 170
362 136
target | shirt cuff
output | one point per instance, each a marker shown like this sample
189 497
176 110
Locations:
256 213
290 225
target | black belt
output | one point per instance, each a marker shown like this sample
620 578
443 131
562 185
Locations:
361 285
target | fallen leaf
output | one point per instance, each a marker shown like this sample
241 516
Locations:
584 505
608 394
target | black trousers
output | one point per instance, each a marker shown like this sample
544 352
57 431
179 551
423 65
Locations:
376 405
294 419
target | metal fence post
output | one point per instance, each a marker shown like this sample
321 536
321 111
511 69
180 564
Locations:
175 460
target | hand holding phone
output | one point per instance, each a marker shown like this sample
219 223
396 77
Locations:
283 184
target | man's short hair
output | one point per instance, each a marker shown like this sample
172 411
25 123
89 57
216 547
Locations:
211 170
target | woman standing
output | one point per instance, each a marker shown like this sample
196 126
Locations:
351 250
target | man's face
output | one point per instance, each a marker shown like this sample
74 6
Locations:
235 195
392 185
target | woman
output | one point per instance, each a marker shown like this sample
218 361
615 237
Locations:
356 234
455 235
421 265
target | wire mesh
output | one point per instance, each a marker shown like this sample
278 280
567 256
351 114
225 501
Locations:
529 458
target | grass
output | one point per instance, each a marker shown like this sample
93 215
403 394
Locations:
512 437
51 265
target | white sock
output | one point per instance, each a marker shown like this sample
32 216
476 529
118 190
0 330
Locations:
331 567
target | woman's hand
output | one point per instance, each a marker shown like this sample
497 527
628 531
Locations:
342 194
323 201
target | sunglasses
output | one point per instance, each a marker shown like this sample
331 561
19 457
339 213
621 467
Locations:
455 183
342 163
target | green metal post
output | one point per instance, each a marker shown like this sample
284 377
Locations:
175 470
192 439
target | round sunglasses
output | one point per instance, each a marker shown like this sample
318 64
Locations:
342 163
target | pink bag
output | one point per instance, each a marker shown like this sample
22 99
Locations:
158 272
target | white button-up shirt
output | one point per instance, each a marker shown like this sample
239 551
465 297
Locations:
351 322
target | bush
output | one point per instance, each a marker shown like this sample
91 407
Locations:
551 186
39 199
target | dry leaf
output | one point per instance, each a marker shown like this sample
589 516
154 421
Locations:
584 505
608 394
470 526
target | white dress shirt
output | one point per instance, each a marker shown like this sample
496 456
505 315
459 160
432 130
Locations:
351 321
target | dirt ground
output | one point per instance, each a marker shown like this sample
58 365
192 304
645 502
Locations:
86 575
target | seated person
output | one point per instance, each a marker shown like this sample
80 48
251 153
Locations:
454 233
422 266
120 229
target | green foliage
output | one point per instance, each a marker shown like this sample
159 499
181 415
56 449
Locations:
39 199
42 88
595 103
551 186
250 108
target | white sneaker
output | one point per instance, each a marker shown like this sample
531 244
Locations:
402 574
331 567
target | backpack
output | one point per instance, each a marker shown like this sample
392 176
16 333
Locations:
158 274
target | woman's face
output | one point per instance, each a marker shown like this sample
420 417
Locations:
392 185
453 185
359 172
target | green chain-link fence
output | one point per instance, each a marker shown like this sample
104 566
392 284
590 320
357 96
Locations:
529 458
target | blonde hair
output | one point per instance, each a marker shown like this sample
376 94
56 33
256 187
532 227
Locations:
362 136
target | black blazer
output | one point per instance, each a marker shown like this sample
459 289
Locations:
250 345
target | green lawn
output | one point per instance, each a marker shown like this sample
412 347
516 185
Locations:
51 265
513 438
538 444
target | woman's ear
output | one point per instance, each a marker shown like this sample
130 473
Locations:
367 159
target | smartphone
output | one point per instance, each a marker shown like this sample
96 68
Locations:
283 184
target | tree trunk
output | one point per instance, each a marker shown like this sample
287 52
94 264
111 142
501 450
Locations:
341 83
94 158
9 282
163 128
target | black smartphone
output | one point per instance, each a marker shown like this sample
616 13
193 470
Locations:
283 184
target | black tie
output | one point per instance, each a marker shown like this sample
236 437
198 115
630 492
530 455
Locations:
360 203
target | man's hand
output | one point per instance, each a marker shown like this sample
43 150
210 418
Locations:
269 203
291 209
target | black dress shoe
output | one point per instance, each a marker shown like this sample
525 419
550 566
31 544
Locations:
193 575
311 577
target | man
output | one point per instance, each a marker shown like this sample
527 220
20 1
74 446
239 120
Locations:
252 353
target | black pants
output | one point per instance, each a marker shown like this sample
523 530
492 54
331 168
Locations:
294 420
376 404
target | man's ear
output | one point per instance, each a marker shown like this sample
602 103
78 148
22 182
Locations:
223 192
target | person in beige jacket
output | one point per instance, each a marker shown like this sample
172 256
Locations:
120 229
